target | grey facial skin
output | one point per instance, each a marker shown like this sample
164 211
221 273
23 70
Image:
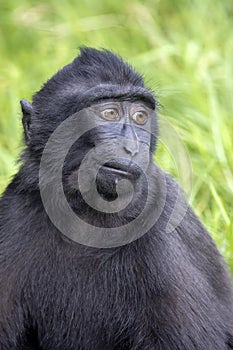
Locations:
110 176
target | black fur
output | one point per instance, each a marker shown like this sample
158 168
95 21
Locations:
160 292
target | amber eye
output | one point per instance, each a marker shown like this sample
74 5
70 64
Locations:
140 117
110 114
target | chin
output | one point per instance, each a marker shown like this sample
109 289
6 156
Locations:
107 180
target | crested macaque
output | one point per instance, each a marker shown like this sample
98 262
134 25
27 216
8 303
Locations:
98 249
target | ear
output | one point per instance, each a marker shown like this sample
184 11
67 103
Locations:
27 113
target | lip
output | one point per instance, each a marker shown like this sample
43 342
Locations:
120 170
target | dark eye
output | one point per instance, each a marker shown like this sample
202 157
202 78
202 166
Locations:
140 117
110 114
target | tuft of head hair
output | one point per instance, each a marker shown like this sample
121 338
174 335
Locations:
93 67
103 66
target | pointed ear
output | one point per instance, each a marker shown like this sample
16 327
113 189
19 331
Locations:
27 113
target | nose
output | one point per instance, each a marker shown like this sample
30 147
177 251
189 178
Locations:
131 143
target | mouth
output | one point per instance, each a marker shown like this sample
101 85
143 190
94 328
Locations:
120 169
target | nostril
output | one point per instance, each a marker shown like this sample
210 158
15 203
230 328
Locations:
127 150
131 147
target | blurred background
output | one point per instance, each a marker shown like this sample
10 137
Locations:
184 49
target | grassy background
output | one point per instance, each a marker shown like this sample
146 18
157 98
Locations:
183 48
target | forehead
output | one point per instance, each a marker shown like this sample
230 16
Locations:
106 92
122 105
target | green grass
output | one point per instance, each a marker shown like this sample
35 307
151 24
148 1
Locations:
183 48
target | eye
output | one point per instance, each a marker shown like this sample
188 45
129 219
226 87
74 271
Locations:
110 114
140 117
